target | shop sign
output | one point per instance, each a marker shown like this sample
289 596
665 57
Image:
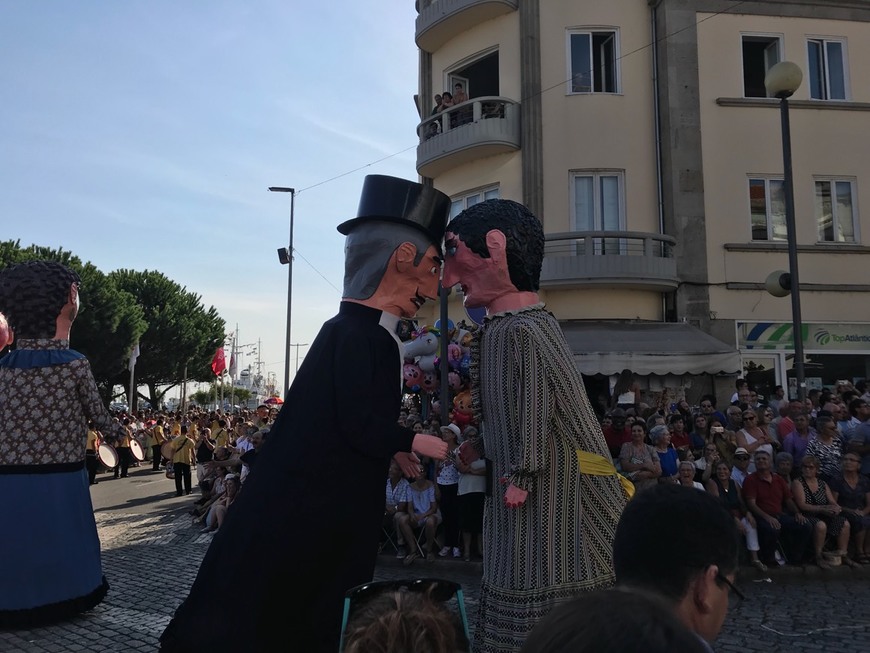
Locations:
817 336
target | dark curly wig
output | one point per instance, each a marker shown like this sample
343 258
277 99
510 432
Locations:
523 231
32 295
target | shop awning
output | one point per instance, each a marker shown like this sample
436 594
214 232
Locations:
648 348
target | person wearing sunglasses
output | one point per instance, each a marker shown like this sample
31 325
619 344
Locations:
694 543
851 491
752 437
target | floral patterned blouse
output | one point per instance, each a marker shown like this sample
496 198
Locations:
47 396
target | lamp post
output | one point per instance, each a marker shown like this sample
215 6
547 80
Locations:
781 81
286 257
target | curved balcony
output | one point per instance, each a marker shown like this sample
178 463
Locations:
440 20
609 259
472 130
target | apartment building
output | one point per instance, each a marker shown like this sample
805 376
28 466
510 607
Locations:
642 136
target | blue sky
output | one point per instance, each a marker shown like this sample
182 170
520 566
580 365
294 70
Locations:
144 134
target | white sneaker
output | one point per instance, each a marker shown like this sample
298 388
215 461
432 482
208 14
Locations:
456 552
779 559
445 551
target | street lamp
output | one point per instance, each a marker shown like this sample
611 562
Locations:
285 255
781 81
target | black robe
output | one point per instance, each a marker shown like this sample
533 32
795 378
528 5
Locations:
306 523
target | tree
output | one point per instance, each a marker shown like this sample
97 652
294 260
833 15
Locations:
109 322
182 335
207 397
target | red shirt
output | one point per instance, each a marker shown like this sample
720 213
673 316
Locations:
615 439
769 494
785 426
680 440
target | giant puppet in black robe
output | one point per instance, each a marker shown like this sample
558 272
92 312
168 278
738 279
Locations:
305 526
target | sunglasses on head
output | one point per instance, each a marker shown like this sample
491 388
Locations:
436 589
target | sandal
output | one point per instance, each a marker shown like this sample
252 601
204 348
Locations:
409 559
760 566
850 563
821 563
864 559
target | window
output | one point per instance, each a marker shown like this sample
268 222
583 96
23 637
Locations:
767 209
592 62
462 202
759 54
827 65
835 210
599 206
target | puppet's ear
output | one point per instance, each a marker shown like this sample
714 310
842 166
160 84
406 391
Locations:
496 243
405 254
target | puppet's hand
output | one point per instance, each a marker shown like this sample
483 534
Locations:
514 497
430 446
468 453
409 463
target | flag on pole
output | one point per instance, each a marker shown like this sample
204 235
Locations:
233 365
134 354
219 362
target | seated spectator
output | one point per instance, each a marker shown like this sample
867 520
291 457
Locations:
723 487
827 447
770 500
646 624
681 545
740 471
785 466
708 409
638 460
422 513
661 439
851 491
798 439
752 437
724 440
218 512
766 415
679 436
698 435
403 621
396 504
686 475
705 465
815 499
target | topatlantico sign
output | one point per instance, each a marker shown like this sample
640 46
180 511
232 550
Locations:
817 336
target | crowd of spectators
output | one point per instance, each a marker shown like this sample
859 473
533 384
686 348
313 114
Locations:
220 448
795 476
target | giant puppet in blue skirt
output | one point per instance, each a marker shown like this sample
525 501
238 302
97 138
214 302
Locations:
50 550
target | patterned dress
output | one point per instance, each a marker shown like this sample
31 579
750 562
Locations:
53 570
535 415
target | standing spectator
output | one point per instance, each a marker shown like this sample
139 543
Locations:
459 95
733 418
618 433
250 456
796 442
827 447
741 392
448 486
770 500
626 391
708 409
183 458
851 491
438 107
679 436
640 460
815 499
723 487
262 420
661 439
681 545
859 437
471 494
777 400
788 413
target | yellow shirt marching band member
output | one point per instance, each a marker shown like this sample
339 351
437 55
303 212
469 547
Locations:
183 459
156 438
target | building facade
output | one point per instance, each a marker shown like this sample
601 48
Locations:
641 135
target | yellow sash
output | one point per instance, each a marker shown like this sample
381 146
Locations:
595 465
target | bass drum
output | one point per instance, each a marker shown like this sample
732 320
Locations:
137 450
108 456
167 451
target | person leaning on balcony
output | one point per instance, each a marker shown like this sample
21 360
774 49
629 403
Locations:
437 108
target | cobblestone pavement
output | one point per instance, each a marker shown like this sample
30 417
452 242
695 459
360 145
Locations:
151 560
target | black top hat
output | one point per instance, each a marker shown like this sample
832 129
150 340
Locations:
392 199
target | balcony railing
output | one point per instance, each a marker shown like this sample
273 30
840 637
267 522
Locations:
440 20
472 130
609 259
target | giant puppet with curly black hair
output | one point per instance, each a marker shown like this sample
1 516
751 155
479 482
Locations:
556 498
50 551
